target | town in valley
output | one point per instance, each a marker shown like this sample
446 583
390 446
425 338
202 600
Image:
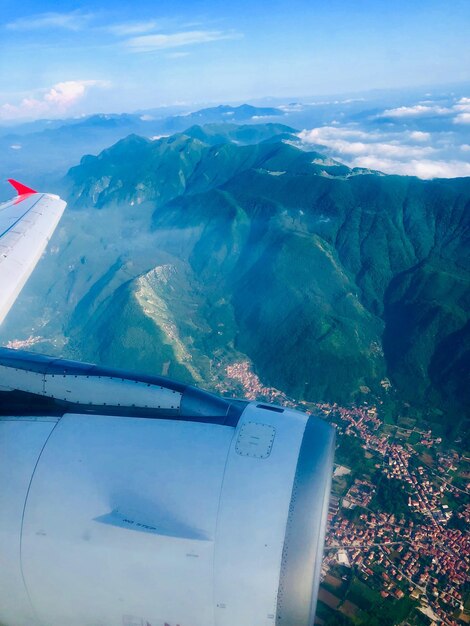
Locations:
397 548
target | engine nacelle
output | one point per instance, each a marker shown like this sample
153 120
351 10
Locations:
185 517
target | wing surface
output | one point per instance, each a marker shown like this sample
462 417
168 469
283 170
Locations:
26 225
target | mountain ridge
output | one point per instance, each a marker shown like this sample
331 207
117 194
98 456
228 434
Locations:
328 279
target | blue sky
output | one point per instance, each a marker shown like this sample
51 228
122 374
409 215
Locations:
69 58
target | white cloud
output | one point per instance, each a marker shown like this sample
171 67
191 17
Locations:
460 111
74 20
350 100
132 28
149 43
422 168
463 111
343 142
418 135
418 110
55 101
390 152
338 132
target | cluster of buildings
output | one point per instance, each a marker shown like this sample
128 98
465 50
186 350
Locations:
18 344
360 493
418 554
253 388
428 441
400 557
425 494
360 421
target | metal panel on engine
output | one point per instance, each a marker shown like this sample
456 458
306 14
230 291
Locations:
122 514
21 442
253 514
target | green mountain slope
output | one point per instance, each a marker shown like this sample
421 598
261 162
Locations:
223 243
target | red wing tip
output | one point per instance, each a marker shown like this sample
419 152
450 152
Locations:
20 188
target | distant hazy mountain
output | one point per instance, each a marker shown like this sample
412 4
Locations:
224 113
189 252
42 151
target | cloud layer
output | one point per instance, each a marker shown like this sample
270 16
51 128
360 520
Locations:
137 36
150 43
74 20
57 100
428 139
459 111
463 111
418 110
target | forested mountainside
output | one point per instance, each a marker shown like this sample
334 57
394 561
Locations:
189 252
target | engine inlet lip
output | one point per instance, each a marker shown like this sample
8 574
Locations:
306 527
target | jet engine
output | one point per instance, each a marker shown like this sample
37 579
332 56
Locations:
130 500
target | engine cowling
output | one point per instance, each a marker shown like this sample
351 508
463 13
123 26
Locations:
213 514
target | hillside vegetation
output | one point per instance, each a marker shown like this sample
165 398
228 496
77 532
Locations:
225 242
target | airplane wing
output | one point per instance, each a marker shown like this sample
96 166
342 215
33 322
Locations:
26 225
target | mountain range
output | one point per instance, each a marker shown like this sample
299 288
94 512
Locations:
225 242
42 151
